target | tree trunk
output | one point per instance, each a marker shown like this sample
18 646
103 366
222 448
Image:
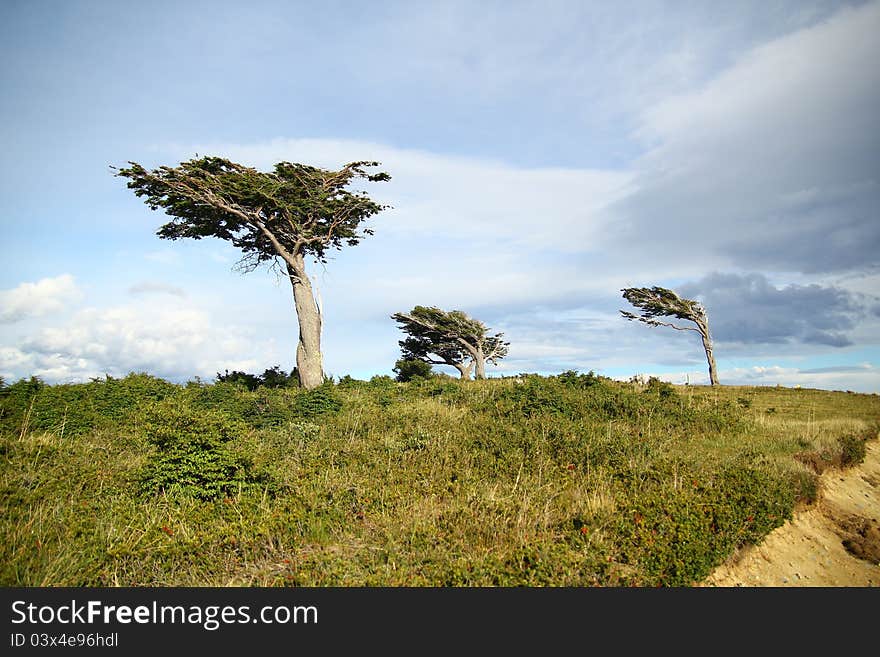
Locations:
480 362
309 362
707 345
464 369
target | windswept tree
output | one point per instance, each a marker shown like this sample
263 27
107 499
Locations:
659 302
450 337
280 217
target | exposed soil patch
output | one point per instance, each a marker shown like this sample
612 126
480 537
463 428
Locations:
861 536
835 542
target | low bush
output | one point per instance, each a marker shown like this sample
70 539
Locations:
674 537
408 369
319 401
192 456
76 409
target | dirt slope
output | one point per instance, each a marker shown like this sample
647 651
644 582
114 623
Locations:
836 542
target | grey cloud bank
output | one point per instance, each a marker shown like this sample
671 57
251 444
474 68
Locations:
748 309
774 163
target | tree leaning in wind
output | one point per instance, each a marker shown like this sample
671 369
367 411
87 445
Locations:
659 302
450 338
279 217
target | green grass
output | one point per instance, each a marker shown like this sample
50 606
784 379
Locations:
573 480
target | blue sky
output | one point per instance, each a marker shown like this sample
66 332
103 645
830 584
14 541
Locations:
543 156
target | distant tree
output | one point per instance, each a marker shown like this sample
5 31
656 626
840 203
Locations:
280 217
659 302
273 377
450 338
408 369
249 381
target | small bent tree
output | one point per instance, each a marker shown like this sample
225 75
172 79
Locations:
659 302
279 217
450 338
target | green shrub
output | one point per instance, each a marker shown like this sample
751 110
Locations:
116 399
74 409
663 389
381 382
674 538
319 401
275 378
408 369
852 449
582 381
192 457
248 381
231 397
271 377
348 383
33 406
447 390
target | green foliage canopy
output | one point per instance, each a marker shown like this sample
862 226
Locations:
296 209
661 302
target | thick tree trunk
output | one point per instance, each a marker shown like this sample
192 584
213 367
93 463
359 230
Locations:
707 345
464 369
309 362
480 362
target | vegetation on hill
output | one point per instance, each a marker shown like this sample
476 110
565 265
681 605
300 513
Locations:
568 480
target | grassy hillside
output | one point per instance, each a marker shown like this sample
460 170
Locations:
573 480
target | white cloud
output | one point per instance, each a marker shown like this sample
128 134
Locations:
167 338
12 360
477 201
48 295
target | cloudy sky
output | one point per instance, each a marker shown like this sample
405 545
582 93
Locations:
543 156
